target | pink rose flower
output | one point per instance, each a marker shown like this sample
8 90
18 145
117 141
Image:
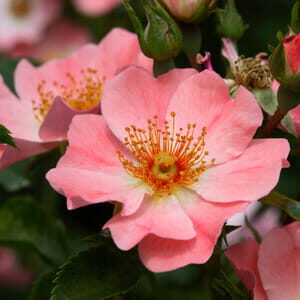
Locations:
50 95
23 21
185 162
96 7
292 49
294 113
263 223
60 41
11 273
270 270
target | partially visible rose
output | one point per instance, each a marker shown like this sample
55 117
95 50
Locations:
11 273
285 63
262 222
96 7
63 38
270 270
292 49
24 21
187 10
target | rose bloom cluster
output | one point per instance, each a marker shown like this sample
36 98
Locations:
174 154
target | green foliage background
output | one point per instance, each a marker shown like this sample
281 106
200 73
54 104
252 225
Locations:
26 178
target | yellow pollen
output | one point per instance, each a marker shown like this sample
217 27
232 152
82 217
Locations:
80 95
165 159
20 8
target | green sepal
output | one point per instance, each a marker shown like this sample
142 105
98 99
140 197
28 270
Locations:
288 123
266 99
288 205
5 137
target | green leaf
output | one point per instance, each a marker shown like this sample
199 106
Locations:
24 225
13 177
43 286
294 17
97 273
5 137
290 206
266 99
7 69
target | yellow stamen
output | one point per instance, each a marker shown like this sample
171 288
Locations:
165 160
20 8
80 95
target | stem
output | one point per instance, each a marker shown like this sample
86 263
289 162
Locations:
155 286
161 67
272 124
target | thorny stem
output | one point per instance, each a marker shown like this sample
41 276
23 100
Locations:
272 124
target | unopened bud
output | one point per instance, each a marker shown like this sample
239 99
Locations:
230 23
188 11
162 38
285 62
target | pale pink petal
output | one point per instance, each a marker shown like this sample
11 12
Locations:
138 96
249 177
204 100
232 131
277 265
275 85
228 50
243 256
96 187
57 121
96 7
16 115
163 217
161 254
118 49
92 146
28 77
25 149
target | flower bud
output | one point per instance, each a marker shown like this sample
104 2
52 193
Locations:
188 11
230 23
161 39
285 62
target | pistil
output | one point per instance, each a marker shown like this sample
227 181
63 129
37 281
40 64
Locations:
165 159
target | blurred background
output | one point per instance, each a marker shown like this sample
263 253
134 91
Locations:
54 31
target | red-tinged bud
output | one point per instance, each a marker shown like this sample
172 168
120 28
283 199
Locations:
292 48
285 63
189 11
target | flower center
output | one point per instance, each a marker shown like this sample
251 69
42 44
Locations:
80 95
252 72
165 160
20 8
